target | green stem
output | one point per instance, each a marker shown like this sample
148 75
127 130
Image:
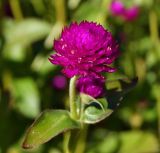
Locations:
154 34
60 11
153 22
16 9
72 97
67 136
81 144
73 112
158 111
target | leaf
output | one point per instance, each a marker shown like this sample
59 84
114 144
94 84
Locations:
54 34
26 97
138 142
133 141
73 4
41 65
26 31
14 52
49 124
91 12
116 90
106 142
19 35
93 110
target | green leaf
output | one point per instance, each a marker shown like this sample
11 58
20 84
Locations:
138 142
54 34
41 65
91 12
133 141
49 124
26 97
26 31
106 142
19 35
93 110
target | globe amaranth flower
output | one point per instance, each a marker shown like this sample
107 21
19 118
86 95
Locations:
59 82
85 49
118 8
94 87
132 13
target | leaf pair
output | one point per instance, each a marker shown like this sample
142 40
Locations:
53 122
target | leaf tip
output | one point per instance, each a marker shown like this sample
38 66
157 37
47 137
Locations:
25 145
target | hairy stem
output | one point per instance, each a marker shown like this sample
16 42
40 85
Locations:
72 97
73 112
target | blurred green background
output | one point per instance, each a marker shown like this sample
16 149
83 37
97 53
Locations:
27 31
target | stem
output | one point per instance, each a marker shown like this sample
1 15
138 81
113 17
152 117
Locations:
72 96
60 11
73 112
38 6
153 22
158 111
81 144
61 17
67 136
154 34
16 9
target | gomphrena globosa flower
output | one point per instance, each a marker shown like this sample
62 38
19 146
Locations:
118 8
94 87
85 49
59 82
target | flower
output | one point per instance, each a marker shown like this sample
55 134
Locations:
94 87
85 48
118 8
131 14
59 82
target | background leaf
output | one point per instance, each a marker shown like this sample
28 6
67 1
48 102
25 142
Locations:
26 97
19 35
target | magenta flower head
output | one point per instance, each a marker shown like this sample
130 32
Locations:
85 48
118 8
132 13
94 87
59 82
